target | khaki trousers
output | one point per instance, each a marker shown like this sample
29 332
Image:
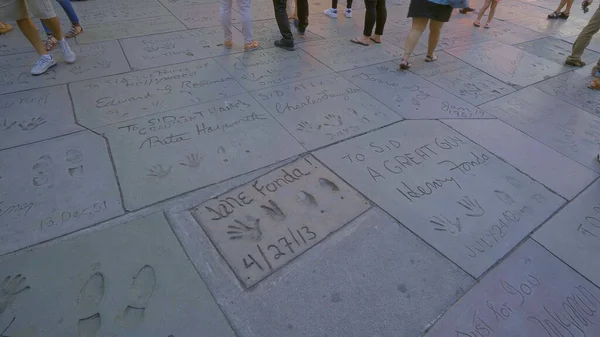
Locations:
584 38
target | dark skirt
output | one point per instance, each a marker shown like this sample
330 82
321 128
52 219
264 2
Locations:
426 9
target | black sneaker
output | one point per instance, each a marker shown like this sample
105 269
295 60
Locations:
283 44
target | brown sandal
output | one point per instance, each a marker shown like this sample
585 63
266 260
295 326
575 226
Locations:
251 46
595 84
575 63
74 31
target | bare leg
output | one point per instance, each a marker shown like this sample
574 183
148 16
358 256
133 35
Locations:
32 34
569 5
484 8
492 11
54 26
561 5
418 27
435 28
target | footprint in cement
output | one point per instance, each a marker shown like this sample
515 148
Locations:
142 289
306 199
328 184
89 298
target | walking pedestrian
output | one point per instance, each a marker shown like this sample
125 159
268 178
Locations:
75 30
425 12
584 38
333 12
375 16
245 8
557 14
5 27
18 10
491 4
287 38
466 10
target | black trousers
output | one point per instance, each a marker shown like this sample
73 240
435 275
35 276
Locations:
284 22
376 15
334 4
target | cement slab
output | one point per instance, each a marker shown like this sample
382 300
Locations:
324 110
507 63
341 54
566 177
118 98
266 31
593 46
461 199
572 87
94 60
573 235
327 27
463 80
409 95
15 42
263 225
561 126
130 28
110 11
531 293
129 280
261 10
555 50
372 278
35 115
55 187
397 37
201 15
271 67
164 49
167 154
555 28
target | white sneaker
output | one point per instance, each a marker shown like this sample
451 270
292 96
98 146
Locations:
348 12
44 63
331 12
68 55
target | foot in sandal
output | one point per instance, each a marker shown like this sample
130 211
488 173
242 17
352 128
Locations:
430 58
74 31
404 64
228 44
363 40
477 24
595 84
487 25
251 46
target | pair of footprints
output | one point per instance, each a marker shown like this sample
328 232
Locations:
92 293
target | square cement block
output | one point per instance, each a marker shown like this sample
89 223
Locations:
34 115
55 187
324 110
572 87
461 199
130 28
119 98
573 235
531 293
129 280
167 154
266 31
263 225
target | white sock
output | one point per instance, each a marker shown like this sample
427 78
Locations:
47 56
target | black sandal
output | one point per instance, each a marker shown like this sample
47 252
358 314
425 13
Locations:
563 15
554 15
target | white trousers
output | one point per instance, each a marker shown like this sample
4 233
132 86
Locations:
245 9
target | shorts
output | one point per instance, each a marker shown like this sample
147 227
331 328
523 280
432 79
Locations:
19 9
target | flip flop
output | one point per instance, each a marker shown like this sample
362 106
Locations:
486 26
432 58
404 64
372 39
357 41
477 24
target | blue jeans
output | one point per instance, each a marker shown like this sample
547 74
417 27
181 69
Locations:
68 8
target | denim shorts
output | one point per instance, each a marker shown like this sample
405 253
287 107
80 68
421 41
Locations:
19 9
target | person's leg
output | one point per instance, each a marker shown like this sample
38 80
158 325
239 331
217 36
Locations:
31 33
556 13
418 27
492 11
569 5
245 9
435 28
484 8
332 12
225 12
287 41
583 40
302 15
380 20
68 8
370 17
349 4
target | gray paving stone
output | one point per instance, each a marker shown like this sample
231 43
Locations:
341 54
409 95
507 63
555 50
397 37
530 294
159 50
110 11
271 67
397 16
573 235
521 10
594 44
372 278
35 115
129 280
201 15
459 38
266 32
463 80
123 97
130 28
261 10
53 188
572 87
93 60
566 177
561 126
263 225
324 110
15 42
556 28
167 154
509 33
464 201
327 27
170 4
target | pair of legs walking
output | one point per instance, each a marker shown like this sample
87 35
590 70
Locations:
582 41
245 9
283 22
333 12
375 16
419 25
491 4
558 13
74 31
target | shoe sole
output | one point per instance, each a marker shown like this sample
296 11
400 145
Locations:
52 66
286 47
